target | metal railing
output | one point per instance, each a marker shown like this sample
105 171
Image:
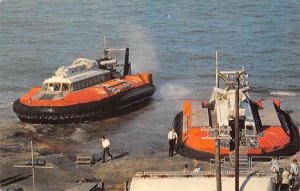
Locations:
184 174
260 163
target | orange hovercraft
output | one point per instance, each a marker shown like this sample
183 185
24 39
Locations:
264 129
86 90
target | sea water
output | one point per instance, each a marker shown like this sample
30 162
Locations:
176 40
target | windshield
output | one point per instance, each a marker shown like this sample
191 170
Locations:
54 87
65 87
45 87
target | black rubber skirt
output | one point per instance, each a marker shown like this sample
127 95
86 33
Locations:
82 112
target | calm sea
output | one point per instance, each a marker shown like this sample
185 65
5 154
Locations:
176 40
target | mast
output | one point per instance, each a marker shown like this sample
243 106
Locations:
236 127
126 63
104 42
217 78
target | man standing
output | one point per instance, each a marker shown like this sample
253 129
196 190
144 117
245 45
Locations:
275 166
294 173
172 137
105 145
285 180
275 170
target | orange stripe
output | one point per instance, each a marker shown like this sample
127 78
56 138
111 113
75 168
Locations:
90 94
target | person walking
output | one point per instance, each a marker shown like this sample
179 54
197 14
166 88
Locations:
172 137
105 145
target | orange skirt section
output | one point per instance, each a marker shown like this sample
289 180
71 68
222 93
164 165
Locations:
273 138
196 139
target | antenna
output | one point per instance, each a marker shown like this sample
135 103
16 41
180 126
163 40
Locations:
105 49
217 78
104 41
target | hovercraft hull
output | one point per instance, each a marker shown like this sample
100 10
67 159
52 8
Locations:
200 152
82 112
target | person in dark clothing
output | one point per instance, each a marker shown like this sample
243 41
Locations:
105 145
172 137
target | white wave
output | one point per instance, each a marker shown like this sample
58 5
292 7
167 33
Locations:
280 93
6 105
173 91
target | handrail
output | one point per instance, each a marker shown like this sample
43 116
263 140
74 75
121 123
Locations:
252 162
164 174
265 157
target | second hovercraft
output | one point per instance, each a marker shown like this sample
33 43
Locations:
264 128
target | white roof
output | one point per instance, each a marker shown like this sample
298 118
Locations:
56 79
76 78
80 69
88 74
198 183
80 65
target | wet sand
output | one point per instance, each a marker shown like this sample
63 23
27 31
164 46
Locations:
66 173
61 146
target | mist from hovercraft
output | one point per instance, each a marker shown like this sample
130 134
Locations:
176 41
142 50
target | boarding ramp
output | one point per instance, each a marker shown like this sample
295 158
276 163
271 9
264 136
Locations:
260 163
227 164
268 114
200 116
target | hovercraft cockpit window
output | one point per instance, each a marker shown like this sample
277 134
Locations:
51 87
65 87
88 82
45 87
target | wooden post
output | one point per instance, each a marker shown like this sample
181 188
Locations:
236 125
33 185
32 166
102 185
126 185
218 164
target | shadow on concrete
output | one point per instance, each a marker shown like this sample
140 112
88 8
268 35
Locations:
121 155
13 179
